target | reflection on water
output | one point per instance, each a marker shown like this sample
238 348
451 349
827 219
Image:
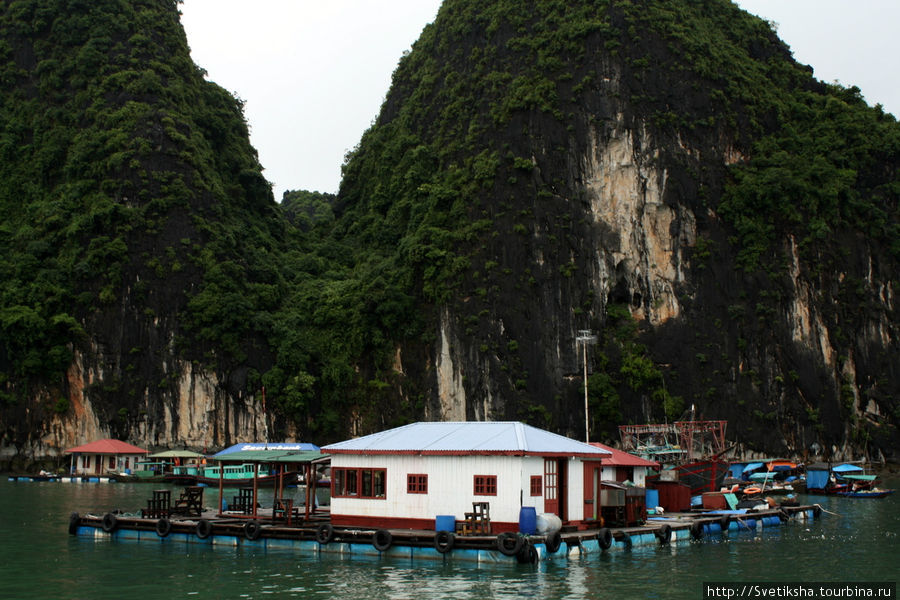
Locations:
40 560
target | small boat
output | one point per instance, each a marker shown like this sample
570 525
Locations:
144 471
840 480
873 493
691 449
242 475
42 476
186 475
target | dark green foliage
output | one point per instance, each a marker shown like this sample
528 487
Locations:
134 212
623 368
125 180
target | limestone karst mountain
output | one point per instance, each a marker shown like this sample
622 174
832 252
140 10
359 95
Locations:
660 173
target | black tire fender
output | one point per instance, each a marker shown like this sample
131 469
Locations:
382 540
74 521
204 529
604 538
252 529
510 543
664 534
443 541
725 523
110 523
324 533
553 542
163 527
528 555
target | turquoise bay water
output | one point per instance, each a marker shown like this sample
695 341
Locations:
38 559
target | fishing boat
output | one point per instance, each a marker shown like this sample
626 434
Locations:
693 449
42 476
872 493
845 479
243 475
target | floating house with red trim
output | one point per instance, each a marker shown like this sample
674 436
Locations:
622 466
409 476
102 456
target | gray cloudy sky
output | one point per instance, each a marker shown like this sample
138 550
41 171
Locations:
313 74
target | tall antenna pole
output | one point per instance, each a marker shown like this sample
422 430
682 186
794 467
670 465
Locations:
585 337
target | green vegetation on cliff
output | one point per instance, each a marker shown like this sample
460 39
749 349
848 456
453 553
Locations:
135 222
127 187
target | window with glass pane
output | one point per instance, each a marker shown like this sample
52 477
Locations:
485 485
416 483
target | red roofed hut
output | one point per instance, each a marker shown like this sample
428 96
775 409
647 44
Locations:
621 504
104 455
622 466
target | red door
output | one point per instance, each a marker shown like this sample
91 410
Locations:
551 486
555 487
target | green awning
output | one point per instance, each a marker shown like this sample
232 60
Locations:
859 477
272 456
177 454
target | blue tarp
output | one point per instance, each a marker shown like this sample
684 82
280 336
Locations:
752 467
845 468
816 480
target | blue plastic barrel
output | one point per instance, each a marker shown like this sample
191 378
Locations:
527 520
445 523
652 498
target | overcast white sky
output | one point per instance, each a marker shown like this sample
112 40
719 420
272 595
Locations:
313 73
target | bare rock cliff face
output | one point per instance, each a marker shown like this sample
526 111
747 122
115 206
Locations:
197 412
782 357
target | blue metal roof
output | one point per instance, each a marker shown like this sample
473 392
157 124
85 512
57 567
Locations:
284 446
469 437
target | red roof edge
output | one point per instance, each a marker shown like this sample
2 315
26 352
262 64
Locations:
470 453
107 446
624 459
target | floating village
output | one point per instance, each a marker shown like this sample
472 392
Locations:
475 491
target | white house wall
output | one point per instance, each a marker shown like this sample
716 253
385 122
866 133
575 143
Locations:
639 475
450 486
91 469
575 490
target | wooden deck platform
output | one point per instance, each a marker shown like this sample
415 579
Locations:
270 528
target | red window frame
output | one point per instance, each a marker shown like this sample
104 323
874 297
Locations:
351 482
417 483
537 485
485 485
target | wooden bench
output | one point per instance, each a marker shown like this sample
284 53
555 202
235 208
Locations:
159 505
190 502
478 521
283 509
243 502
